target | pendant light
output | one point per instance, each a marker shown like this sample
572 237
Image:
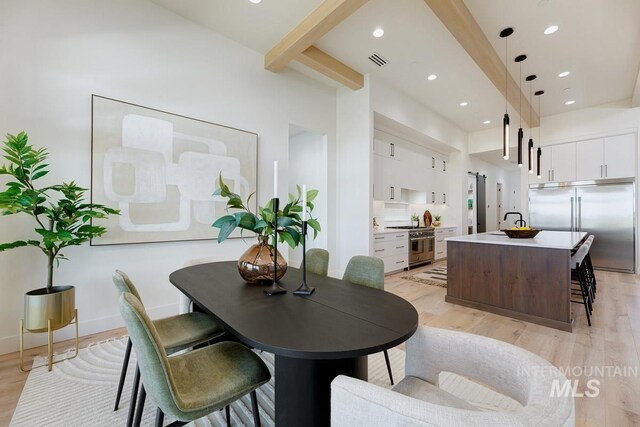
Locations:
538 94
519 60
505 121
530 151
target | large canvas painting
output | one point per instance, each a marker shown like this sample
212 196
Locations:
161 169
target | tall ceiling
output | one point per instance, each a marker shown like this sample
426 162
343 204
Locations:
598 42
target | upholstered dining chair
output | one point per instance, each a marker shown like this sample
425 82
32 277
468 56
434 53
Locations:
368 271
418 400
176 333
194 384
317 261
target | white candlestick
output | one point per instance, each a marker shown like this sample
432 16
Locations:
275 179
304 202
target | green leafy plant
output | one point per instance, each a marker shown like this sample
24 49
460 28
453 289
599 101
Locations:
63 218
437 217
414 217
262 223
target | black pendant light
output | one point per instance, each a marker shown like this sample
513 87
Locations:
538 94
530 151
519 60
505 121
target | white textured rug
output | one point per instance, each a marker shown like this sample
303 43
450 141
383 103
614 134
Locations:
81 391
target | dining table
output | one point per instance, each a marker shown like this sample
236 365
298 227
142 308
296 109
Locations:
314 338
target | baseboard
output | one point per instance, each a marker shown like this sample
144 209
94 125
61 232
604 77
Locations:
11 343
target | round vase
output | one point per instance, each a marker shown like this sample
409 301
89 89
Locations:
256 264
41 305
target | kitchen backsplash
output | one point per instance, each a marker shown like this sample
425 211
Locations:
394 214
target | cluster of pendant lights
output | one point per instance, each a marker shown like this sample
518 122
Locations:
505 121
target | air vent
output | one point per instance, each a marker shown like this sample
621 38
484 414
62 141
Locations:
378 60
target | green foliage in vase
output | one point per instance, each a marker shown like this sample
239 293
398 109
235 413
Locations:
437 217
262 223
62 217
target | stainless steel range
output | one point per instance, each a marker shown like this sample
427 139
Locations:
422 241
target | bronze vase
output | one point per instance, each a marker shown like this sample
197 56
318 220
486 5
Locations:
256 264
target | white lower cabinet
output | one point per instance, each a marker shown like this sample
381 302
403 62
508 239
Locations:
392 249
441 245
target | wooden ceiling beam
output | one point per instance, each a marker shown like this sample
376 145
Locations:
325 17
326 64
455 15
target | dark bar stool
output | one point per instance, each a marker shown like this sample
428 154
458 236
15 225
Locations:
579 271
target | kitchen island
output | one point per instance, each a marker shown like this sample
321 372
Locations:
527 279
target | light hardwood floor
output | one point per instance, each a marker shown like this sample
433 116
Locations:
613 340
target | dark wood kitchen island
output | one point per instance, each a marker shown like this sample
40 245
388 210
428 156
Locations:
527 279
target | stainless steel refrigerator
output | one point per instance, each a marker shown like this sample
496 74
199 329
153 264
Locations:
603 208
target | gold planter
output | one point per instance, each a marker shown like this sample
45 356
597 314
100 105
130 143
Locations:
48 311
40 306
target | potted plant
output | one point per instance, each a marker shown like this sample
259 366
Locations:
414 218
256 264
436 220
62 219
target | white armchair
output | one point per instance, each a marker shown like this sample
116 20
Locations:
418 401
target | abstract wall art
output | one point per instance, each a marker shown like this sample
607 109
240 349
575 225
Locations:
161 169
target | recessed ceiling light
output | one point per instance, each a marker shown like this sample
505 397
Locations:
486 122
464 103
564 74
378 32
432 77
550 30
570 102
255 1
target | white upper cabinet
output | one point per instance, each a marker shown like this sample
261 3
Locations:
386 179
563 162
590 159
610 157
619 156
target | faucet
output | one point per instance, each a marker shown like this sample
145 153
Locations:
521 221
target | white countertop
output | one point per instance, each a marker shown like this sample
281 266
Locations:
389 230
545 239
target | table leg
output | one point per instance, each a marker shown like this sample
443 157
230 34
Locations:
303 388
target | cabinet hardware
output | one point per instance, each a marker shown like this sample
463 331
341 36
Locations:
444 166
601 174
433 197
399 247
606 171
433 163
393 151
444 198
379 238
379 250
399 262
399 235
392 193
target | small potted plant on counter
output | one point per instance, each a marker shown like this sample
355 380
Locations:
256 264
415 219
62 219
436 220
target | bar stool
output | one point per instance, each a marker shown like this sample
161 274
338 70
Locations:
579 266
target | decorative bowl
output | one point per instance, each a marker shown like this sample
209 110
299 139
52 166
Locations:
521 234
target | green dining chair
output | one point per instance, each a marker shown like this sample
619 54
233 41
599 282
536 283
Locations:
317 261
368 271
189 385
176 333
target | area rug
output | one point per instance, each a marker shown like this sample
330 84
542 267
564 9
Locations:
436 276
81 391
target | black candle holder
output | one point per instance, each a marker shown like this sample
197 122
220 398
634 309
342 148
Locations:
275 289
304 289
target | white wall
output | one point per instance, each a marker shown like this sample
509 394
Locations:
56 54
354 152
308 166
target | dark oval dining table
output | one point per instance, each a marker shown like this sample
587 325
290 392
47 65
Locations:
314 338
